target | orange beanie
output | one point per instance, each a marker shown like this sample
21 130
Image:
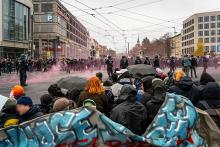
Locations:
18 90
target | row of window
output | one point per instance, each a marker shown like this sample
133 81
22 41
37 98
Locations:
45 7
208 18
211 48
211 40
188 51
190 29
186 37
207 25
186 43
189 23
209 33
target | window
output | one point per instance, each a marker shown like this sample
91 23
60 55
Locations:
206 40
206 33
218 39
218 17
213 18
207 48
213 48
218 25
213 25
200 19
206 26
15 21
36 8
213 40
200 33
213 32
218 32
200 26
47 7
206 18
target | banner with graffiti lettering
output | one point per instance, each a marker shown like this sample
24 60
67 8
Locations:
175 125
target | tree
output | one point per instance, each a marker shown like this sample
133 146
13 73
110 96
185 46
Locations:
200 48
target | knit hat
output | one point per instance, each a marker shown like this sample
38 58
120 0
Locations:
89 103
11 102
61 104
24 100
18 91
107 83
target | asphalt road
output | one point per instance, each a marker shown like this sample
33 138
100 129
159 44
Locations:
38 82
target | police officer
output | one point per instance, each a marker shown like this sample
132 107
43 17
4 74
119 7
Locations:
23 67
109 63
138 60
147 61
156 62
123 62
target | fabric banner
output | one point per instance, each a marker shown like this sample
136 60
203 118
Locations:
175 125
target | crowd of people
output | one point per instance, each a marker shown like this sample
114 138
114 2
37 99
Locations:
121 98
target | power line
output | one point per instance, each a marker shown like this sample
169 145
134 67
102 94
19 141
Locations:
100 15
140 5
89 14
139 20
131 12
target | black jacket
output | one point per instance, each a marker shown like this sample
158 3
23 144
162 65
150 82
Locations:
7 115
33 113
186 87
211 91
131 114
124 63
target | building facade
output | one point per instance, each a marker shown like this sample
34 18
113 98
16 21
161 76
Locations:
201 27
176 46
15 28
57 33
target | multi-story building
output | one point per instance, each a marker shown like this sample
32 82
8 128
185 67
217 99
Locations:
176 46
15 27
57 33
203 27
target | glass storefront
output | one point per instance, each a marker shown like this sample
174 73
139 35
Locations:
16 18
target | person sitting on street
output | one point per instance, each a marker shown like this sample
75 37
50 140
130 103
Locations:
187 88
73 94
99 75
46 101
63 104
95 91
17 91
130 113
55 91
9 115
148 90
26 110
157 99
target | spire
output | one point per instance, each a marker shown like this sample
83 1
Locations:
138 41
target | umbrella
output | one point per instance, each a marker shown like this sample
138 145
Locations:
3 100
141 70
72 82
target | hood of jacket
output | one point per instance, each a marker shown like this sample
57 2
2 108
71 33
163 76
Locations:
127 93
211 91
206 78
185 83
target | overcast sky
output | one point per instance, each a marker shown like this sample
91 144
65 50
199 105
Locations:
116 19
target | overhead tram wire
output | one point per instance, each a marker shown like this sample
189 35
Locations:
131 12
102 16
131 18
89 14
140 5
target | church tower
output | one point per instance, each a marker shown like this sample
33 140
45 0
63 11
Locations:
138 41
